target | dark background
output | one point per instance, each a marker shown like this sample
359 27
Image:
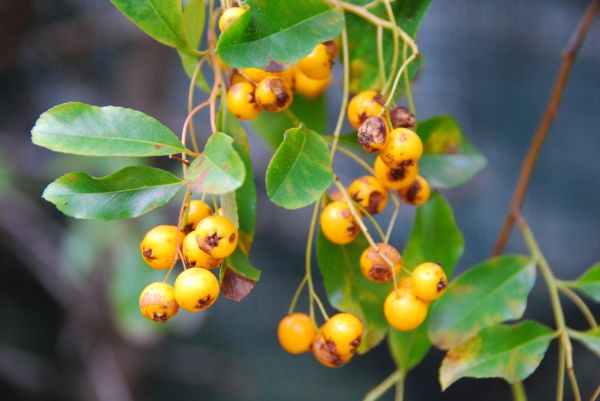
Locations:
68 290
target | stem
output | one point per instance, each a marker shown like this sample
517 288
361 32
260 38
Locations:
372 220
390 227
407 86
559 316
216 70
308 256
352 156
346 83
191 90
183 213
596 394
560 373
385 385
380 59
396 48
400 389
390 97
569 56
576 299
518 391
296 296
321 307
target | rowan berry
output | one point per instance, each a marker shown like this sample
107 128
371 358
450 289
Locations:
403 145
159 246
273 94
197 211
368 193
345 331
157 302
401 117
308 87
404 310
373 265
338 224
217 236
363 105
241 101
429 281
325 352
417 193
230 15
317 64
196 289
373 134
196 257
296 333
396 178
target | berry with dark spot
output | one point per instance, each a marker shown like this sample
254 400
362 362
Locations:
157 302
159 246
325 352
429 281
345 331
198 210
374 267
396 178
369 193
241 101
217 236
338 224
273 94
196 289
417 193
196 257
401 117
403 145
373 134
364 105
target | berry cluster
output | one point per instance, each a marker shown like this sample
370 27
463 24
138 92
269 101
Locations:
252 89
203 242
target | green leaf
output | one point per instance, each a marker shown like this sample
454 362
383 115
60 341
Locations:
349 291
219 169
161 19
245 196
434 237
590 339
493 292
275 34
271 126
589 282
449 158
128 193
86 130
300 170
362 39
193 20
238 276
510 352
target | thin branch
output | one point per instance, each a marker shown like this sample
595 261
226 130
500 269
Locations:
576 299
384 386
346 84
569 56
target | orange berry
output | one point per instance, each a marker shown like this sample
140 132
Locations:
368 193
338 224
374 267
429 281
296 333
416 193
396 178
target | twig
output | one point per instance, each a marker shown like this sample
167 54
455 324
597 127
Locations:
576 299
569 56
346 79
596 394
384 386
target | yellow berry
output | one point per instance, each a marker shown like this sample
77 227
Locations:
403 310
197 212
196 257
308 87
230 15
373 134
374 267
404 145
396 178
241 101
363 105
236 78
157 302
196 289
369 193
217 236
338 224
273 94
429 281
296 333
325 352
254 74
159 246
317 64
417 193
345 331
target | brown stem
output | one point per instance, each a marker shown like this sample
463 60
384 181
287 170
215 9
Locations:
569 56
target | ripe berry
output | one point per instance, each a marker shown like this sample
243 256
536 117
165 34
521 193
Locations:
236 78
369 193
296 333
159 246
241 101
373 134
217 236
429 281
396 178
345 331
230 15
196 289
273 94
308 87
157 302
417 193
196 257
363 105
317 64
338 224
374 267
254 74
403 310
325 352
197 212
401 117
402 146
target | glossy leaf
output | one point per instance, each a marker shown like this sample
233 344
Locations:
449 158
434 237
219 169
245 196
86 130
128 193
493 292
300 170
238 276
590 338
349 291
161 19
362 38
193 20
510 352
589 282
271 126
275 34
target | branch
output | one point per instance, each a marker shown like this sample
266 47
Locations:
569 56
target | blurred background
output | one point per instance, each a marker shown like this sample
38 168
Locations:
68 290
